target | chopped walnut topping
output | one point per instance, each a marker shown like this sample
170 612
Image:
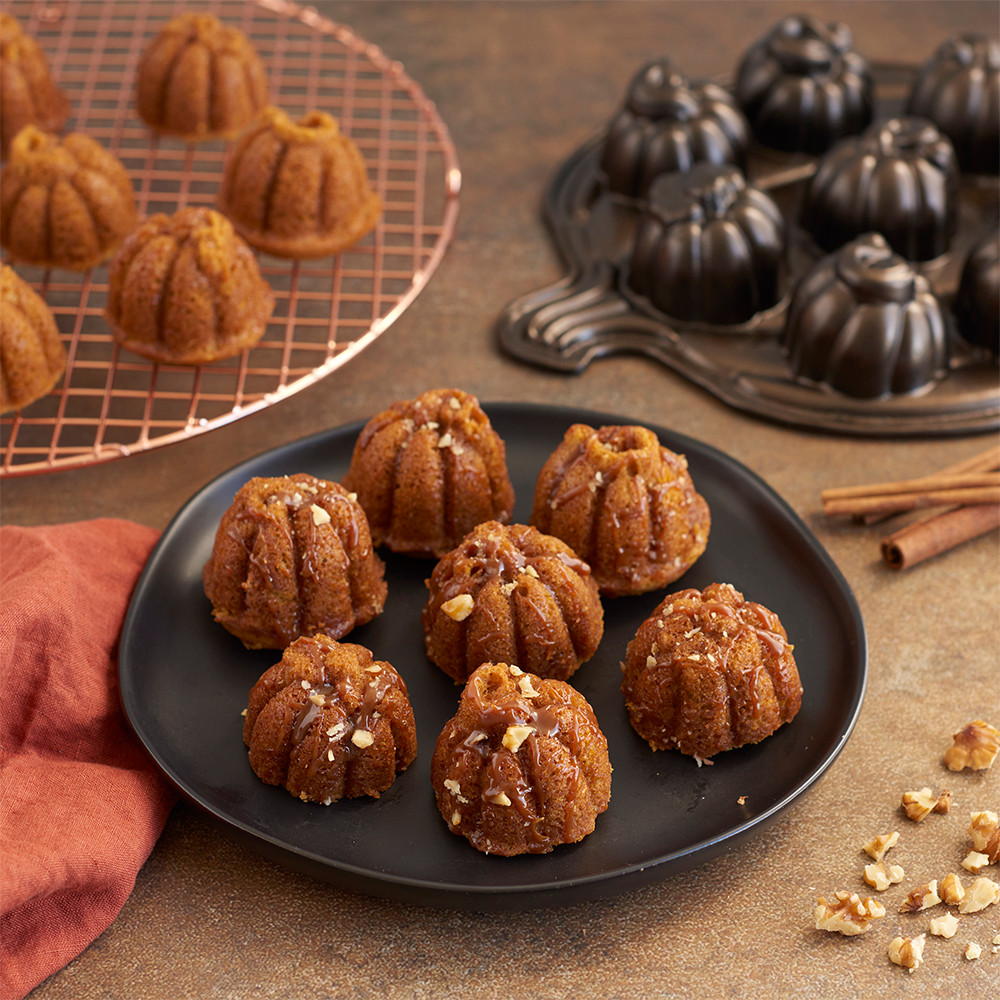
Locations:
445 441
453 403
975 862
455 788
456 818
944 926
881 875
361 738
530 570
908 952
876 848
973 951
498 799
459 608
975 746
305 685
847 913
650 661
982 893
985 832
515 736
951 889
317 699
921 899
917 805
514 671
319 515
526 689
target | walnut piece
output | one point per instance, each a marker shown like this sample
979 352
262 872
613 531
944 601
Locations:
876 848
975 746
920 804
982 893
882 874
975 862
945 926
951 889
847 913
515 736
908 952
458 608
985 833
921 899
973 951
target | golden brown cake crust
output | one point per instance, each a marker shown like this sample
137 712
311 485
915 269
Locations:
510 594
63 202
427 471
625 504
199 79
28 94
185 289
709 671
523 766
32 356
293 556
329 721
298 189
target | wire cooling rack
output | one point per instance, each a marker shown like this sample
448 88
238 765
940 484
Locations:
112 404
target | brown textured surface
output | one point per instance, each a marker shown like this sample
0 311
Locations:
520 86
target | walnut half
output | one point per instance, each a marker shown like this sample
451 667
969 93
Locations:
975 746
847 913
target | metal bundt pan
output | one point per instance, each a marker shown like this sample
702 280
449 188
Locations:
590 313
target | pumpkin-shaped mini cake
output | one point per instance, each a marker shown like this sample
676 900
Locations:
703 232
803 86
899 178
977 302
958 89
670 123
28 94
63 202
865 323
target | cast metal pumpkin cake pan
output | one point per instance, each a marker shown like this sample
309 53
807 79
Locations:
816 244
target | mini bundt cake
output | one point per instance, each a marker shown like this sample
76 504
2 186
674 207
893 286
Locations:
32 356
63 202
200 79
509 593
185 289
523 766
958 89
668 123
298 189
977 301
28 94
704 230
427 471
329 721
803 86
708 671
865 322
898 178
293 556
624 504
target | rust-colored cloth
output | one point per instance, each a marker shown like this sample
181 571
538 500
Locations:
81 803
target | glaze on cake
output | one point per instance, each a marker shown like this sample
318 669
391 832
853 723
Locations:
32 356
509 593
298 189
708 671
624 504
63 202
293 556
523 766
185 289
329 721
28 94
428 470
200 79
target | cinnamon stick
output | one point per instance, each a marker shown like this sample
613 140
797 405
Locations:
933 483
939 533
913 500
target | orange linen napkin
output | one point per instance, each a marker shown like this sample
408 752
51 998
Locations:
81 803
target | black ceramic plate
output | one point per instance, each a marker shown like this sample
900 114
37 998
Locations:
184 682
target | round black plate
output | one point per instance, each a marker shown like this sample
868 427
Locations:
184 682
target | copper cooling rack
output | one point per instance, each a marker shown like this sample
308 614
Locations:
111 404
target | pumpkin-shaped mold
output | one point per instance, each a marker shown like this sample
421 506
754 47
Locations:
977 302
670 123
899 178
864 322
958 89
803 86
704 232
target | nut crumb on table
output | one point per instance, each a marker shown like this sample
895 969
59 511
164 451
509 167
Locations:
975 746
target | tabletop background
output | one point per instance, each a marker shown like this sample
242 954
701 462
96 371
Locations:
520 86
